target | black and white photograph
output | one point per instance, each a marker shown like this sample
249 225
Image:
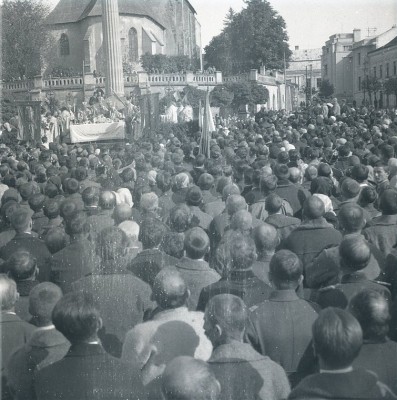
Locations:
198 199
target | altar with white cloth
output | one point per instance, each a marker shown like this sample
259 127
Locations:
97 132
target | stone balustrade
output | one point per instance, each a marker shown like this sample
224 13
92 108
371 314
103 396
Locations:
18 85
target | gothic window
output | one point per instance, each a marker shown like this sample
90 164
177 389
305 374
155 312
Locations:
64 45
133 45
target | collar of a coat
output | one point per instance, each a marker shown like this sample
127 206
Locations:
354 277
283 295
85 349
318 223
47 338
235 352
384 220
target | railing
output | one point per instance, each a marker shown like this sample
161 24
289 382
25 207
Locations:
204 78
236 78
62 82
132 79
18 85
160 79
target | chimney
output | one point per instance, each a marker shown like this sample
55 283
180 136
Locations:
356 35
296 47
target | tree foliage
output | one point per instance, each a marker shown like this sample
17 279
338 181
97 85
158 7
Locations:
221 96
247 93
168 64
391 87
372 85
25 38
253 37
326 88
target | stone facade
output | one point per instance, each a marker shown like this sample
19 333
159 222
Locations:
146 26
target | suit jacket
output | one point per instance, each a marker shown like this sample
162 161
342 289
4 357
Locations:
14 333
243 284
122 298
381 358
204 218
148 263
283 223
325 269
45 347
197 275
261 268
339 295
22 305
169 334
310 238
88 372
282 328
39 220
35 246
245 374
72 263
383 233
98 222
215 207
295 195
357 384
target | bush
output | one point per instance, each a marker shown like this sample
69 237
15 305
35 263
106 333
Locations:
168 64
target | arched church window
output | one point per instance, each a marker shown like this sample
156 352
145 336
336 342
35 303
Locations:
133 45
64 45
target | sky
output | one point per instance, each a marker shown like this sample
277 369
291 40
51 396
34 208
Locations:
309 22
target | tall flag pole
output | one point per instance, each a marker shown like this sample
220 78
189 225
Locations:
207 127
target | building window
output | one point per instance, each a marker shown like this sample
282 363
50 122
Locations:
347 48
394 67
359 58
387 70
359 83
64 45
327 50
380 71
133 45
375 72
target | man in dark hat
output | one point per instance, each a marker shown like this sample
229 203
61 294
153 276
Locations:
194 200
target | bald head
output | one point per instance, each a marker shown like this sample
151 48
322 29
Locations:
311 173
294 175
266 238
235 203
242 221
8 293
313 208
186 378
107 200
169 289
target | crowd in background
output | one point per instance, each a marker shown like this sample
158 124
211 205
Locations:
267 270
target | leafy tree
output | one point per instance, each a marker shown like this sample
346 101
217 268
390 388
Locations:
25 38
391 87
221 97
326 88
247 93
193 95
168 64
253 37
372 85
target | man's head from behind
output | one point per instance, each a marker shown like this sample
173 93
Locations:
22 266
313 208
107 200
337 338
76 317
21 220
90 196
197 243
351 218
235 203
151 233
42 300
8 293
225 319
354 254
112 243
285 270
186 378
371 309
169 289
388 202
242 252
266 238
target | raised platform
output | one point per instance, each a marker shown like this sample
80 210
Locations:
97 132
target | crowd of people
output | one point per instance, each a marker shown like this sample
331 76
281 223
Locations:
265 270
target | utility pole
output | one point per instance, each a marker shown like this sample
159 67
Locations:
311 78
306 86
83 80
285 84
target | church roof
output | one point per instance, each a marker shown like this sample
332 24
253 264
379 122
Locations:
68 11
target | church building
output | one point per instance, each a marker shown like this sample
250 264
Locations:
167 27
